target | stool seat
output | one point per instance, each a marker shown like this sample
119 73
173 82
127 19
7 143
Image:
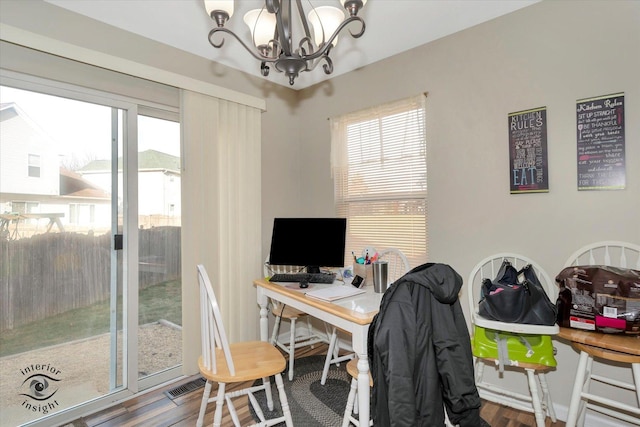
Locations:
604 353
352 369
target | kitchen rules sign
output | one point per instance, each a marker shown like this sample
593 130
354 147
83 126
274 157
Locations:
528 151
600 136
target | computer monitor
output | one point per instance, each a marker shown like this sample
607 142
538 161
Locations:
308 242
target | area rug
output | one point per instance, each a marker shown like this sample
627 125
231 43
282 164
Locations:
311 404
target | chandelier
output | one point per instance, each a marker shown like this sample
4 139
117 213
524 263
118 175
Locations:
272 35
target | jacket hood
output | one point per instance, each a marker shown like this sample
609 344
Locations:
442 280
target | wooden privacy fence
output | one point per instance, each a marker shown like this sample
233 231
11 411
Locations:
49 274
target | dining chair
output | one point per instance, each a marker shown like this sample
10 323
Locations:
398 265
351 411
225 363
530 349
292 315
614 254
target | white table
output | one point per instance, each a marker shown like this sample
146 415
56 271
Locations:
353 314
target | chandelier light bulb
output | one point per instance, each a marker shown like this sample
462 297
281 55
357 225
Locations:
325 20
219 10
262 26
223 5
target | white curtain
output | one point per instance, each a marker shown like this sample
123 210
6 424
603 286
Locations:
221 214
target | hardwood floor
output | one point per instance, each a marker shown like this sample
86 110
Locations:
157 410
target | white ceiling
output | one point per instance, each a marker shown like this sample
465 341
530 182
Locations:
392 26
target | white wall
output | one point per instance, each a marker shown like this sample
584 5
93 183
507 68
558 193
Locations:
549 54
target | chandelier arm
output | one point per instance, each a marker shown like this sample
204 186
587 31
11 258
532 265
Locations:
303 19
327 46
258 56
309 46
327 67
273 6
283 24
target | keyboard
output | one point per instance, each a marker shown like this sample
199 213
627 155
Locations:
304 277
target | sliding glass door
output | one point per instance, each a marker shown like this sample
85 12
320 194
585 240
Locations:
89 289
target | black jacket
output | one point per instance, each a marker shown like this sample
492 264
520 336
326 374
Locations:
420 353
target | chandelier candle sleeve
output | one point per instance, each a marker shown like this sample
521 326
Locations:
273 41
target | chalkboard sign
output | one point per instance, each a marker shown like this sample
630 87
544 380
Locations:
528 151
600 135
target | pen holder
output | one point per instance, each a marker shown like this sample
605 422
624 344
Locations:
365 271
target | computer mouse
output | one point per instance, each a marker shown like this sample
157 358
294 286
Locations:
304 285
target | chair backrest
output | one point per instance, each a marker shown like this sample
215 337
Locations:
488 268
611 253
398 263
212 330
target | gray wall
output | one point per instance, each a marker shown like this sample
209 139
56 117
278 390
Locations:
549 54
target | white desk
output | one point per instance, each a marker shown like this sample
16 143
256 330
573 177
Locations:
350 314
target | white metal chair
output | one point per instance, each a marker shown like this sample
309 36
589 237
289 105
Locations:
398 266
614 254
280 311
539 400
226 363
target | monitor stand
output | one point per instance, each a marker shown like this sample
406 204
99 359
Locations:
313 269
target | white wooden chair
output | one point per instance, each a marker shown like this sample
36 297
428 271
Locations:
351 411
398 266
226 363
280 311
539 400
614 254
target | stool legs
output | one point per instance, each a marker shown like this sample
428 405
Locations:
578 387
535 398
635 368
350 402
292 348
546 396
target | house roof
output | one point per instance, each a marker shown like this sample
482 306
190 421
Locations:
73 185
147 160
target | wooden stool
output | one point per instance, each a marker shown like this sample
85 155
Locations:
352 369
606 347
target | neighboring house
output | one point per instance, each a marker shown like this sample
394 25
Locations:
33 183
158 181
29 161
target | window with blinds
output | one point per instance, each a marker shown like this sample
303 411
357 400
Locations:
380 177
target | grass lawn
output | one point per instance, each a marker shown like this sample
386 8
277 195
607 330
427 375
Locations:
160 301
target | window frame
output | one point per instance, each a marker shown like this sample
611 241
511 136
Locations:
34 166
386 208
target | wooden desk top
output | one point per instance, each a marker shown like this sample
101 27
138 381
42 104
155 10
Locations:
359 309
629 344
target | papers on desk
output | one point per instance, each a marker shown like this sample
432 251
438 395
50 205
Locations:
334 292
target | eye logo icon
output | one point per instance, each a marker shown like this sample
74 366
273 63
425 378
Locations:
40 387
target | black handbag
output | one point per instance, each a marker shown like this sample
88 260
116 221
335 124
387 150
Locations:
516 297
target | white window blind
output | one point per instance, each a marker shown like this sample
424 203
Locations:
379 168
